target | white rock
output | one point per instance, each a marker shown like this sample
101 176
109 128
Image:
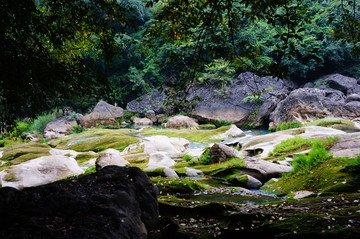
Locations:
266 168
234 131
170 173
1 154
110 157
159 143
58 128
318 131
159 160
302 194
72 153
88 164
39 171
191 172
142 122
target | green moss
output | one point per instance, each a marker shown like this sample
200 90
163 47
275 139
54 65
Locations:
10 176
23 152
207 126
189 134
297 144
86 156
217 168
328 176
64 141
288 125
173 185
98 140
338 123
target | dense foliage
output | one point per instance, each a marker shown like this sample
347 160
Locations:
58 52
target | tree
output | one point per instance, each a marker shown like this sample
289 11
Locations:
43 47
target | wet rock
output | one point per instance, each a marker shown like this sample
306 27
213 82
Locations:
116 202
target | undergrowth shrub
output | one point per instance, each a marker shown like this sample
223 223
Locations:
317 155
39 124
205 157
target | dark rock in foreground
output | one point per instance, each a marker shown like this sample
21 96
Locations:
116 202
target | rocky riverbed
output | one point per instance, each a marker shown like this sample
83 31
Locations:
212 183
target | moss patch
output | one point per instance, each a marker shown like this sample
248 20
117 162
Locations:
174 185
328 176
23 152
189 134
96 140
337 123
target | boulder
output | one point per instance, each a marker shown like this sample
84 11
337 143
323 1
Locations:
170 173
181 121
347 146
159 143
220 152
191 172
64 152
142 122
150 114
159 160
115 202
152 101
309 104
246 181
103 114
39 171
110 157
230 107
352 97
264 170
234 131
58 128
345 84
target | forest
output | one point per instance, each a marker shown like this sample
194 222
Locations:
179 119
74 53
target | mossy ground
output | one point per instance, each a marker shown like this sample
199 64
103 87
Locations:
178 186
328 176
189 134
100 139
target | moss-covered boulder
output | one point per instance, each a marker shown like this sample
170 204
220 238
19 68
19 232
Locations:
193 135
23 152
96 140
336 123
